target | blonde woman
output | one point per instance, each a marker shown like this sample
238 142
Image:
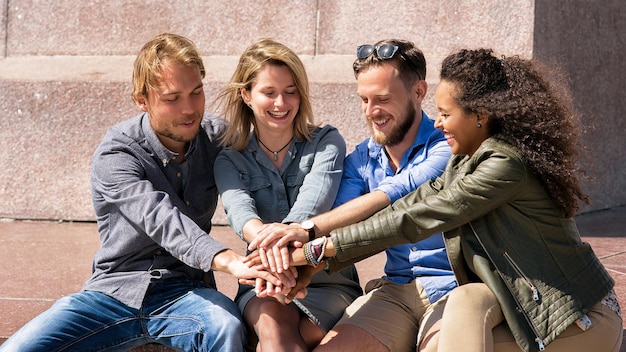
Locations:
278 166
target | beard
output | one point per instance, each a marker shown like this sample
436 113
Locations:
399 131
168 130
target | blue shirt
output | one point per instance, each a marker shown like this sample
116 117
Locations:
367 168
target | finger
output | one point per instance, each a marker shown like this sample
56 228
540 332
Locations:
251 282
286 277
295 293
269 278
278 259
263 256
284 255
269 253
270 288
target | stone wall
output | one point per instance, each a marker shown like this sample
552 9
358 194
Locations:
65 71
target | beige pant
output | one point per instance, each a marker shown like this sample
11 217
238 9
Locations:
394 314
472 322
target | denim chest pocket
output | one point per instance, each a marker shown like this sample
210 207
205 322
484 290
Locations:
255 183
295 178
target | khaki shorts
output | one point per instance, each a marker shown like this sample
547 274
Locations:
395 314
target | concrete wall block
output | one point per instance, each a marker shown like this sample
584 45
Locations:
51 130
3 27
587 39
437 27
120 27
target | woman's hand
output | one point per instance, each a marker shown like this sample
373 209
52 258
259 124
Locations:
304 278
273 241
264 287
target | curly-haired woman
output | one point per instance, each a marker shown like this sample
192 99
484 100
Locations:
505 204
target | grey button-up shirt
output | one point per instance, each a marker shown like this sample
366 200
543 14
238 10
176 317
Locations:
154 214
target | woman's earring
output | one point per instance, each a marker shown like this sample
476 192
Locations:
479 125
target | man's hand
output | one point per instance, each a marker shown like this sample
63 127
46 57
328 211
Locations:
273 241
264 288
230 262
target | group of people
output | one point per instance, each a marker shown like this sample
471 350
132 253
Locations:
474 210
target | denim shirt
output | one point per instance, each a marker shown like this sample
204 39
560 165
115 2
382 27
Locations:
306 185
367 168
252 188
153 214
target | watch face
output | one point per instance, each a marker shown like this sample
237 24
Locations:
307 224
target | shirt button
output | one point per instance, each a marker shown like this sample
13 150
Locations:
414 248
174 157
187 202
178 174
158 252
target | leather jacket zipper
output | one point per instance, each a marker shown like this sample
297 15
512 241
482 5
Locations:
538 340
522 275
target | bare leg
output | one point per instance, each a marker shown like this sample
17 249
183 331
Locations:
276 325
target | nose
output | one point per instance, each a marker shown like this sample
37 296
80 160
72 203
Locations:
188 106
370 109
438 122
279 101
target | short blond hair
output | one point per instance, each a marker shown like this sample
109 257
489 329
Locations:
165 48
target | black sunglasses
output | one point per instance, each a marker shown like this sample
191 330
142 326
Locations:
383 52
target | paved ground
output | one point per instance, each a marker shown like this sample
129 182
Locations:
42 261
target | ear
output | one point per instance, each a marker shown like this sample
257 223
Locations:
482 117
419 89
245 95
141 102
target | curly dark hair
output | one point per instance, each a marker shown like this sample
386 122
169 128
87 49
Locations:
531 107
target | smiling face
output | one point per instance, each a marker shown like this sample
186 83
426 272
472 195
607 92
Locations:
274 99
460 128
388 105
176 107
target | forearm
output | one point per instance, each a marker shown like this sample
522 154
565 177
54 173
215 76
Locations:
223 261
356 210
251 229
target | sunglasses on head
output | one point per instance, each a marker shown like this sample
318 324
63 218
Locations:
383 52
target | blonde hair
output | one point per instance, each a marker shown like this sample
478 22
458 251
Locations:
240 117
165 48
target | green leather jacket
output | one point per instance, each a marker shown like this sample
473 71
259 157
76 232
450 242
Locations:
501 228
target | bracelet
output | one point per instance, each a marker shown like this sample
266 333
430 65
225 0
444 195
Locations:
314 251
307 255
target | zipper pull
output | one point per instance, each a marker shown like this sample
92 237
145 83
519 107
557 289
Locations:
535 293
540 343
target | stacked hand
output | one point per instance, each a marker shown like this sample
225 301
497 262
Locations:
273 249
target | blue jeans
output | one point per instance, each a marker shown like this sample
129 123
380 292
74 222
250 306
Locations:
181 314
